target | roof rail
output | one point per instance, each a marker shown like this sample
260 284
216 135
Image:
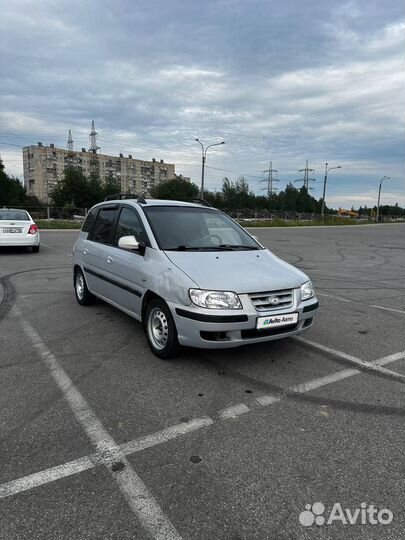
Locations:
121 196
203 202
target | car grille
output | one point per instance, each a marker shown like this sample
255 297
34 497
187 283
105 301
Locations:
265 301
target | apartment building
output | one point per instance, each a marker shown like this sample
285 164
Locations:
44 167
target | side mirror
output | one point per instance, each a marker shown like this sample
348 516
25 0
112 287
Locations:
128 242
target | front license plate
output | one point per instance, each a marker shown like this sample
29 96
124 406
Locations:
8 230
274 321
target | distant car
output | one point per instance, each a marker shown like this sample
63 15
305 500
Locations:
18 229
190 273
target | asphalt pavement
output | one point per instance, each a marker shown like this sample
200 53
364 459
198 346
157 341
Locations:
99 439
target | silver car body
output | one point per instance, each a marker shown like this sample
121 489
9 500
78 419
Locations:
127 280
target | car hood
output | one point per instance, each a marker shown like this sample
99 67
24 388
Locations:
239 271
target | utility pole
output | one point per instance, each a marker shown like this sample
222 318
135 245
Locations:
324 187
204 159
271 179
306 170
379 195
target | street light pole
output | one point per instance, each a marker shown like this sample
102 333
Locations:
204 159
379 195
324 187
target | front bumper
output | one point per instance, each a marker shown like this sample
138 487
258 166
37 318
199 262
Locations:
217 329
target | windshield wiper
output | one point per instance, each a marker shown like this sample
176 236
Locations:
223 247
235 247
182 248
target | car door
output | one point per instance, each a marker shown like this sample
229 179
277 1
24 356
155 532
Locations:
97 247
125 269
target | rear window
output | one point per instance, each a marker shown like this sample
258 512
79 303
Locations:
16 215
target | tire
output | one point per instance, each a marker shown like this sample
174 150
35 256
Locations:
161 330
82 293
35 249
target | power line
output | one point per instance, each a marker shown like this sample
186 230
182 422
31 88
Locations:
234 172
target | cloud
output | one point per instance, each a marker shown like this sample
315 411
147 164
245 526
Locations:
285 81
368 198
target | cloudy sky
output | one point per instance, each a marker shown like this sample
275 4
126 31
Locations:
280 80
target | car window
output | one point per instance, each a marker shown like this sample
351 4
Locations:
104 226
129 224
199 228
217 227
89 221
17 215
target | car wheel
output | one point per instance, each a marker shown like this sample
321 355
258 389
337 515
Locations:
83 295
35 249
161 330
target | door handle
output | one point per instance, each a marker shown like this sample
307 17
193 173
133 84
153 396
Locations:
85 251
110 260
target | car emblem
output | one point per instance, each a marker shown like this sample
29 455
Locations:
274 300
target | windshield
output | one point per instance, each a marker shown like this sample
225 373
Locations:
15 215
188 228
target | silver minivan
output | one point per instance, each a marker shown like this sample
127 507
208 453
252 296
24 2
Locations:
190 274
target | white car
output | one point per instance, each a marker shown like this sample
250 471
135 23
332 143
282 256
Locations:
17 228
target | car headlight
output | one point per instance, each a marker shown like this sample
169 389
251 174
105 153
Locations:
215 299
307 291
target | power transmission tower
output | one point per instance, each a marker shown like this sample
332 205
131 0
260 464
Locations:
306 178
94 165
270 179
70 141
93 138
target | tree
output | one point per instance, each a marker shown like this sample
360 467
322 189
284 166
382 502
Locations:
236 195
229 194
76 190
304 201
176 188
12 192
289 198
111 186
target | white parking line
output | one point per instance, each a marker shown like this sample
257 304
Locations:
308 386
165 435
323 381
267 399
140 500
89 462
45 477
390 358
233 411
303 388
362 303
108 451
56 249
362 364
335 297
388 309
